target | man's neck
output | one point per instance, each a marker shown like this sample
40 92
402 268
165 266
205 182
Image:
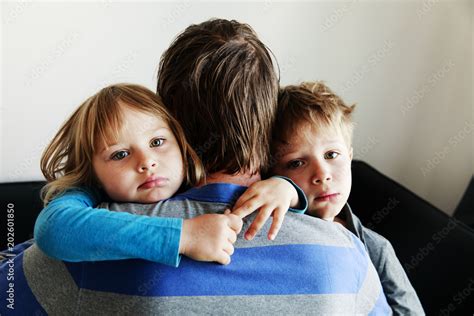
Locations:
244 179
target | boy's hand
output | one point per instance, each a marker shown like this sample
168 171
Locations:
210 237
273 197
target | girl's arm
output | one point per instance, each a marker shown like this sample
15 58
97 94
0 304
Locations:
69 228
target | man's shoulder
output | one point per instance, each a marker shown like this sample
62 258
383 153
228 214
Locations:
312 230
40 285
211 198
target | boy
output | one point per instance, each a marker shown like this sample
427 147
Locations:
313 147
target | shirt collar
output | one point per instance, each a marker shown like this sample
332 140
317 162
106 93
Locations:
214 192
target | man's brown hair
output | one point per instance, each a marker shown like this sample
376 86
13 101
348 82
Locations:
217 78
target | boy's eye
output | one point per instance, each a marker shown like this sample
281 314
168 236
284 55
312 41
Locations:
294 164
331 155
119 155
157 142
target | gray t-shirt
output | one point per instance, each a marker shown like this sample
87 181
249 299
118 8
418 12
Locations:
313 266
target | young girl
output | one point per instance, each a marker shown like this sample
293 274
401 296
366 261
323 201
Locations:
122 144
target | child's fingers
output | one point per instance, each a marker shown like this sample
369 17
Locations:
229 249
247 195
232 237
257 224
247 208
223 258
278 216
235 223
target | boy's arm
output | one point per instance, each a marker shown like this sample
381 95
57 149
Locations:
71 229
272 197
400 294
300 202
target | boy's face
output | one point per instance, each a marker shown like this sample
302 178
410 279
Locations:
319 162
145 164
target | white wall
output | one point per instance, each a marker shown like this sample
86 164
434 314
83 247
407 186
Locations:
407 64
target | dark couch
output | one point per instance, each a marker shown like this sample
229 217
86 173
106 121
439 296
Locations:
436 250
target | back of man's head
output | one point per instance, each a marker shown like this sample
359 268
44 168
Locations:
217 78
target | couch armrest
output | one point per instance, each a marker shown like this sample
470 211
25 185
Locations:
437 251
25 197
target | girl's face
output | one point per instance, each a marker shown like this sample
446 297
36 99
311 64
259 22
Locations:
145 165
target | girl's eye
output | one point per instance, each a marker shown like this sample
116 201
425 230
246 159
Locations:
119 155
331 155
157 142
294 164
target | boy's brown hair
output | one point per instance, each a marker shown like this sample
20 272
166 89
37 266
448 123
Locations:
217 78
311 103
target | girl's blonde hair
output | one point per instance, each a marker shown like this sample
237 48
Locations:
67 161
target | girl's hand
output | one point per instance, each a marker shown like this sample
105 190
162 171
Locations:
210 237
272 197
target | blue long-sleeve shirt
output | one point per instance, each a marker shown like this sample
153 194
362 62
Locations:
70 228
